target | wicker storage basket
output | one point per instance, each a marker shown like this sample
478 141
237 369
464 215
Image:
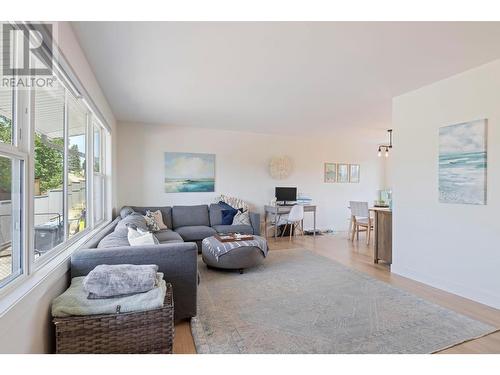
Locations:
134 332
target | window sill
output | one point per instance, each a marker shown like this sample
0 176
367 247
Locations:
24 284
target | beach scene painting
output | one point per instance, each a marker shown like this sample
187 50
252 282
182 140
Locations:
189 172
463 163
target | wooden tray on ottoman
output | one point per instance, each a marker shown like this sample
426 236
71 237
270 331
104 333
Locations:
231 237
129 333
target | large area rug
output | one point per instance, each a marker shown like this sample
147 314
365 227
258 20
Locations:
300 302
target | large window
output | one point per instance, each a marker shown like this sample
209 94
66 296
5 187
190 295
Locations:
11 171
61 186
49 169
99 180
77 181
6 124
6 104
11 184
52 147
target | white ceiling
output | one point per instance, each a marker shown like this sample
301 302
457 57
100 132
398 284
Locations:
277 77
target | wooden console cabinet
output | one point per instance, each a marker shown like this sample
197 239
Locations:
383 235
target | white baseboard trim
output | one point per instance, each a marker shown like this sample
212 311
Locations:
461 290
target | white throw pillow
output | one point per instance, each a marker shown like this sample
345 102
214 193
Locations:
139 237
241 218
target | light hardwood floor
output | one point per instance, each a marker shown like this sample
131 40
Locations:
358 256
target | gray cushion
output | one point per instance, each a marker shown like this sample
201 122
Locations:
245 229
93 242
134 219
215 214
168 235
125 211
195 232
183 216
166 213
114 239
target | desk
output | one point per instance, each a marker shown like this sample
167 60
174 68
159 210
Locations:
383 235
278 211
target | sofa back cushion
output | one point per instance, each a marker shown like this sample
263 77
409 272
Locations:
125 211
215 214
94 241
135 220
114 239
166 213
190 215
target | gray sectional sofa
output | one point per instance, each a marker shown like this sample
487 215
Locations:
195 223
176 253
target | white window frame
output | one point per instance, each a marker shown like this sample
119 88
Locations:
95 123
54 252
20 157
17 150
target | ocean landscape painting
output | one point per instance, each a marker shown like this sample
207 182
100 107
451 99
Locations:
463 163
189 172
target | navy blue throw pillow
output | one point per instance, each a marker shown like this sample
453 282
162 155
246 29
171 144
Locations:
228 216
225 206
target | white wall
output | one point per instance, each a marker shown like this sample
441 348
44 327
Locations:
454 247
242 167
27 327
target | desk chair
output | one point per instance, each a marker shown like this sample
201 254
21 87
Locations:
361 220
295 219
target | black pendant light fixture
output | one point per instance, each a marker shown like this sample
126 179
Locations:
386 147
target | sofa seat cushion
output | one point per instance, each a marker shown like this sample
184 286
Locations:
183 216
167 235
244 229
195 232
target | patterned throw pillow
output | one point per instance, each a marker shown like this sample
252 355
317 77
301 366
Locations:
241 218
233 202
159 219
151 222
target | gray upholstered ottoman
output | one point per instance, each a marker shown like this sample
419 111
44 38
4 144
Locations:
221 255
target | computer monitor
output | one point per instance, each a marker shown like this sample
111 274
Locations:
286 194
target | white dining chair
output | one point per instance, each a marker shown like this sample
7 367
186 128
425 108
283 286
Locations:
361 220
295 219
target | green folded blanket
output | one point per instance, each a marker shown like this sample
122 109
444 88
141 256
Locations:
74 300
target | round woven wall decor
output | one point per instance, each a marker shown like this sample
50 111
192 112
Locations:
280 167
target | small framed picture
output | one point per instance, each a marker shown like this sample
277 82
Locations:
342 172
330 172
354 173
